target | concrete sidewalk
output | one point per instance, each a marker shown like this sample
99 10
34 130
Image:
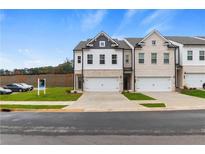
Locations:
38 102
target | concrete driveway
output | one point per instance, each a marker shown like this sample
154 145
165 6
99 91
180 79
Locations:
104 101
175 100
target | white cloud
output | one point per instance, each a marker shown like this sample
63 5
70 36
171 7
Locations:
91 20
126 19
160 20
158 15
24 51
130 13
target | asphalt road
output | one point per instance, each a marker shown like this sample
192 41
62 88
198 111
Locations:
96 125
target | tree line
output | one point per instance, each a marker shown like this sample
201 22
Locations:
65 67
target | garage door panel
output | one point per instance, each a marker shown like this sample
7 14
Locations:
102 84
154 84
194 80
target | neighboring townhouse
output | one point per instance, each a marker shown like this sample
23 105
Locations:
154 63
102 64
191 72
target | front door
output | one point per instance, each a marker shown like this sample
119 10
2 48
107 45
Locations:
79 82
126 82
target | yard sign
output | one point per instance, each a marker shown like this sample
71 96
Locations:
41 85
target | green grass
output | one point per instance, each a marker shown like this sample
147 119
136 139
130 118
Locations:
16 106
196 93
137 96
154 105
52 94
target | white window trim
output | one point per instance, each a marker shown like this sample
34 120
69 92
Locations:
102 59
189 55
166 58
89 59
127 57
114 59
201 55
155 42
141 59
152 58
102 44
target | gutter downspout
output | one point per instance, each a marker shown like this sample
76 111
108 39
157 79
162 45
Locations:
134 69
123 69
73 70
82 70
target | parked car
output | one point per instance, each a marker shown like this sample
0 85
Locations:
29 87
204 85
15 87
5 91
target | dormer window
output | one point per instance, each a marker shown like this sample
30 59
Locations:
153 42
101 44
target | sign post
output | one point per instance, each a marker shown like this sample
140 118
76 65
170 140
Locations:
41 85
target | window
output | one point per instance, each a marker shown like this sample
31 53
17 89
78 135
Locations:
154 58
102 43
141 58
114 59
166 58
102 59
153 42
126 59
79 59
189 55
90 59
201 55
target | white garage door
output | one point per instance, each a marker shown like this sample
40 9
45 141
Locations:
101 84
154 84
194 80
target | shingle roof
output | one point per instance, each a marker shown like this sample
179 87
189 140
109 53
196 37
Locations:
133 41
201 37
180 39
186 40
82 44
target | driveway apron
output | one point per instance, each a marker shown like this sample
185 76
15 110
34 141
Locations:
104 101
175 100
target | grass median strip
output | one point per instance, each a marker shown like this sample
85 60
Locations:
137 96
52 94
16 106
196 93
152 105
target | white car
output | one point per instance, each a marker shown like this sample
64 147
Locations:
5 91
27 86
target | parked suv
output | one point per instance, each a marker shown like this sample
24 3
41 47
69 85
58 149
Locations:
14 87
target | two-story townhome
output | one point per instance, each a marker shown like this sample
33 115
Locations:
191 71
154 62
102 64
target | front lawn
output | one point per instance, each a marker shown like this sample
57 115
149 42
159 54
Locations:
16 106
52 94
196 93
137 96
154 105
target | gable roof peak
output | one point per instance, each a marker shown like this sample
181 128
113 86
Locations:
154 31
102 33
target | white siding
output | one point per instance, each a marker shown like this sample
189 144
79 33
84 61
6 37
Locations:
108 59
78 66
195 60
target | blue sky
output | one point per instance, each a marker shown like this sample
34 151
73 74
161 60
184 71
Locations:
33 38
